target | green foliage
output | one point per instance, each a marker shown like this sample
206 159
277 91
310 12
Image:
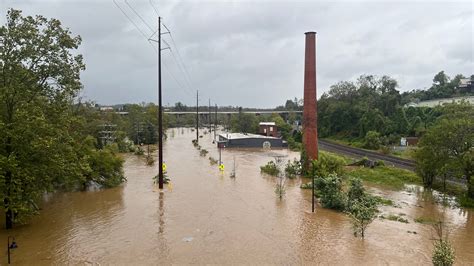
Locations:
244 122
465 201
388 176
270 168
396 218
443 254
362 212
327 164
372 140
293 169
355 192
331 194
105 168
47 142
446 148
425 220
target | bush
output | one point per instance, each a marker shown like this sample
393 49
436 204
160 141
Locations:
105 168
372 140
356 191
139 151
327 164
203 152
443 253
362 213
270 168
332 196
293 169
212 161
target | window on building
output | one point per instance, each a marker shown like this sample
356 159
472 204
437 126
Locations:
271 129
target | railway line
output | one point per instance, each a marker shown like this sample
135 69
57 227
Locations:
359 153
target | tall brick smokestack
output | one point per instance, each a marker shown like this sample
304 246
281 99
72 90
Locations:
310 128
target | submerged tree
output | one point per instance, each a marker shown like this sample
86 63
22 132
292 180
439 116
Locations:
443 252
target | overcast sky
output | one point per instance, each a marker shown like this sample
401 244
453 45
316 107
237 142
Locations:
251 53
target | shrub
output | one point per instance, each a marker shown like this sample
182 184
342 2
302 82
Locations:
356 191
270 168
327 164
443 253
139 151
372 140
203 152
212 161
292 169
362 213
331 193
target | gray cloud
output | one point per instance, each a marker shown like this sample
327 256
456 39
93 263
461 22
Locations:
251 53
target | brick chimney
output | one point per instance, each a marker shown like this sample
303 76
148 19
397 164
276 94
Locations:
310 129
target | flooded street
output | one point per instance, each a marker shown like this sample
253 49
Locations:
206 217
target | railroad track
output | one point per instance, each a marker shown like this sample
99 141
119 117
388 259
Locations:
359 153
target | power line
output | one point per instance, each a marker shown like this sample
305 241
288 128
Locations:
154 8
179 54
138 15
187 88
136 26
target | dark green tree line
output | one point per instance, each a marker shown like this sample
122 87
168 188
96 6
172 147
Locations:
42 141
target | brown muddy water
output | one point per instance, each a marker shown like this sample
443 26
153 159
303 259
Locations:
206 217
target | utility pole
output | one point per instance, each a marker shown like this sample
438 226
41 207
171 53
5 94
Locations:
209 117
215 122
197 116
160 113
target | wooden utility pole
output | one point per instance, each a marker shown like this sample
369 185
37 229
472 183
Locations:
160 113
209 116
197 116
215 122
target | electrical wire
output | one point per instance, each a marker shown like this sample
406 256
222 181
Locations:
136 26
138 15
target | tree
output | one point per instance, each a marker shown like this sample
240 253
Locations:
443 252
447 147
362 212
45 141
372 140
39 79
361 207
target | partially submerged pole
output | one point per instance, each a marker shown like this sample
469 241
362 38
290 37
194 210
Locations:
160 113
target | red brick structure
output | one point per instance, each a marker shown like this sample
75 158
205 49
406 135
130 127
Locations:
268 129
310 128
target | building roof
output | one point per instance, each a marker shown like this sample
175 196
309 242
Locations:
244 136
267 123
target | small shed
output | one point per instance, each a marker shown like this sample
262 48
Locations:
268 129
409 141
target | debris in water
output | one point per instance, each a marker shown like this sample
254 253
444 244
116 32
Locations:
188 239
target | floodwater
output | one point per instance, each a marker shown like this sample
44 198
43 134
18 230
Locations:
206 217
